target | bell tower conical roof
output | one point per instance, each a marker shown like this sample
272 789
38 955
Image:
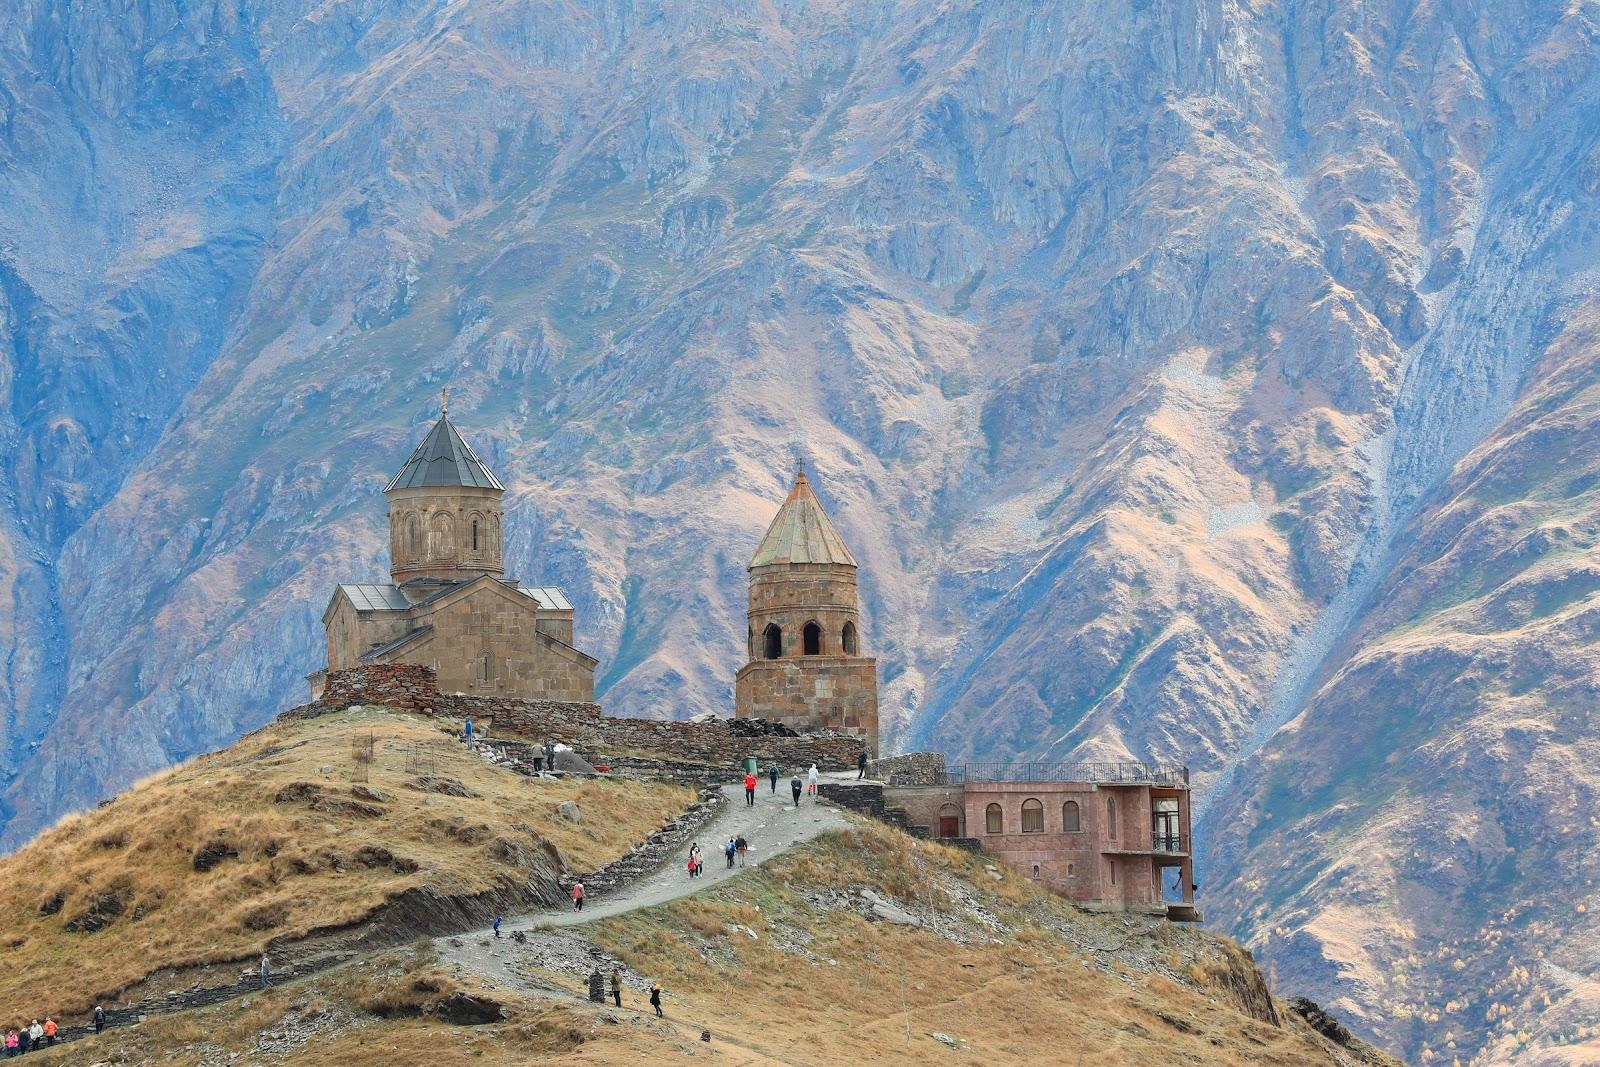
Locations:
442 459
801 532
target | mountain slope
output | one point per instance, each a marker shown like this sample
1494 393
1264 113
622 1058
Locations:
1129 345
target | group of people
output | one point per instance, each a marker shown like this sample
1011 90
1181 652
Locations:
598 986
773 774
21 1039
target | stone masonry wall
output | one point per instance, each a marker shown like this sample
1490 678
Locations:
912 768
409 687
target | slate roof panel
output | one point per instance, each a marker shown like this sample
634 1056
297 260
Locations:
373 597
444 458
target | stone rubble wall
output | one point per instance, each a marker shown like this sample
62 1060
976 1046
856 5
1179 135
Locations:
410 687
912 768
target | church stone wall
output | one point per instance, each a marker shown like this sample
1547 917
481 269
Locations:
410 687
351 633
431 533
793 594
837 693
488 643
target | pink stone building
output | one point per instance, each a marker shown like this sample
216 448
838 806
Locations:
1111 836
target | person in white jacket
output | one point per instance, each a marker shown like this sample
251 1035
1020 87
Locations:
36 1035
811 780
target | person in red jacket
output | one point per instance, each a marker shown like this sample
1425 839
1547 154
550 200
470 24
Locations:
577 896
749 789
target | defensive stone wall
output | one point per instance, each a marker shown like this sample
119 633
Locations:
410 687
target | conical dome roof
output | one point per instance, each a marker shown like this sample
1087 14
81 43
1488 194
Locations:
443 458
801 532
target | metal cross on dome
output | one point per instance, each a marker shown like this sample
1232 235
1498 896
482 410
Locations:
444 402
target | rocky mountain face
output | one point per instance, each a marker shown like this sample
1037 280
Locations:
1194 380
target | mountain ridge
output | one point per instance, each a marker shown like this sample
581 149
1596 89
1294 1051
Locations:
1120 341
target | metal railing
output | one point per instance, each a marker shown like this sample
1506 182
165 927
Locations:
1160 842
1159 774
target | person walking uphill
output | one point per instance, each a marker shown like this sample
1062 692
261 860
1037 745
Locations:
749 790
99 1019
773 772
729 850
50 1030
266 971
616 986
794 787
741 846
498 919
861 765
811 780
655 999
577 896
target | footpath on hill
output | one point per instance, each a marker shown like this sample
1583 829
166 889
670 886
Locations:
772 827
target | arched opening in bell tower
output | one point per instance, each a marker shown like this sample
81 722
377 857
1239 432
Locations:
847 639
812 639
771 642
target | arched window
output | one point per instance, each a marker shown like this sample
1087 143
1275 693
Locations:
847 639
812 635
991 819
485 668
771 641
1070 823
750 643
1036 870
949 821
1111 819
474 533
1032 816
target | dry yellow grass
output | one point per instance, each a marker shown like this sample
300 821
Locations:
295 850
872 993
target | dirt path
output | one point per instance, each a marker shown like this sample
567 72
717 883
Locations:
772 827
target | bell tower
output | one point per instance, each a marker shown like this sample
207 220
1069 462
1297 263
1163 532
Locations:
444 512
805 665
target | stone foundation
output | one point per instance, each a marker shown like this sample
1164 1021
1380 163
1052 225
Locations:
409 687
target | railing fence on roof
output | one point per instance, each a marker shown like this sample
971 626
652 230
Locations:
1159 774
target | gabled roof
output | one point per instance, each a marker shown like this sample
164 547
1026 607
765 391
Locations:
369 597
393 646
443 458
547 597
801 532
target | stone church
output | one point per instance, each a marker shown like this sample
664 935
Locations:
805 664
448 604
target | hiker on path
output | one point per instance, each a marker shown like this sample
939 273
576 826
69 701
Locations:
741 846
616 986
729 850
749 789
36 1035
655 999
861 765
99 1019
266 971
811 780
794 787
694 860
469 733
11 1042
498 919
577 896
773 772
49 1031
